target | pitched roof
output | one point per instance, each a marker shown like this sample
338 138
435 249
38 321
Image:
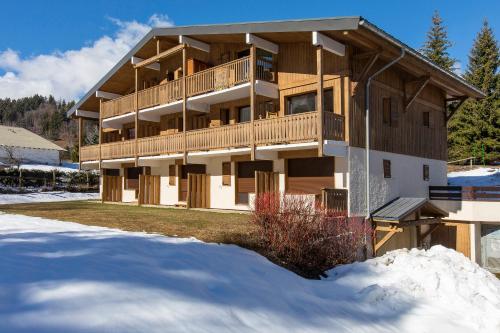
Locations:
23 138
400 208
305 25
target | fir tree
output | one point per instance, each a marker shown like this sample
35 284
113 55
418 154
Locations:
436 46
476 125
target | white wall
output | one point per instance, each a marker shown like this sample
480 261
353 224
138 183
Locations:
470 211
38 156
406 180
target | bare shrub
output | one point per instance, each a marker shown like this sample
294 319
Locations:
305 237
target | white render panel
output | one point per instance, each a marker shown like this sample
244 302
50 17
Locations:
406 180
31 155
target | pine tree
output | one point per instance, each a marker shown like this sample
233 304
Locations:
436 46
476 125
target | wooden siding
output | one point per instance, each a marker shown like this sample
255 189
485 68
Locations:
409 136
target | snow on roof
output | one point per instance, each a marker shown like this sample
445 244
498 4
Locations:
20 137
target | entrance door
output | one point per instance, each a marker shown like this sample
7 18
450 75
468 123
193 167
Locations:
490 247
185 170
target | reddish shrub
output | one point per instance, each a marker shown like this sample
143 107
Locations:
306 237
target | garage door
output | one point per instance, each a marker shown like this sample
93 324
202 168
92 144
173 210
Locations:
490 247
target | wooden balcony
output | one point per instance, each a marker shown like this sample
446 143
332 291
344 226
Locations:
289 129
213 79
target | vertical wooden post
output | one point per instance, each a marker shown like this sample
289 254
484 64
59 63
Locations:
80 132
319 98
184 104
101 171
253 68
136 110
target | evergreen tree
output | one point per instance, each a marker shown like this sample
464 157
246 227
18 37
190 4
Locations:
476 125
436 46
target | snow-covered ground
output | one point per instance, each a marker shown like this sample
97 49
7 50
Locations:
45 197
475 177
65 277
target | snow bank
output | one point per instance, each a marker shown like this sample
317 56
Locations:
475 177
66 167
66 277
45 197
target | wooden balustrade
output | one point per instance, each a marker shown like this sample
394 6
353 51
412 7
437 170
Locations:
228 136
118 106
219 77
160 144
333 126
293 128
118 149
148 97
170 91
89 153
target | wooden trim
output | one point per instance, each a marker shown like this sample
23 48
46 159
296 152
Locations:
368 66
319 97
136 118
160 56
384 240
421 85
241 158
298 153
454 108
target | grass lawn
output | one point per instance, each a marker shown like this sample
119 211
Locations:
230 228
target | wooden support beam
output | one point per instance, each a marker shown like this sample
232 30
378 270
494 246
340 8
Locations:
368 66
426 221
421 83
454 107
160 56
136 60
87 114
193 43
384 240
319 97
136 118
427 233
80 140
389 228
261 43
100 150
184 105
330 45
253 97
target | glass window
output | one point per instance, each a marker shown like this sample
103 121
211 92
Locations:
328 100
244 114
131 133
301 103
426 172
387 169
425 119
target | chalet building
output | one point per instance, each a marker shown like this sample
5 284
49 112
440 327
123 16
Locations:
207 116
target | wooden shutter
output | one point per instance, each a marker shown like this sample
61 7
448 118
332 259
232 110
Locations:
394 112
226 173
387 169
171 174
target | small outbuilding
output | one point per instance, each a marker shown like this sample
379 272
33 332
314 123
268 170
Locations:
19 145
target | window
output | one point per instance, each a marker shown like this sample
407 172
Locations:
244 114
132 178
386 110
387 169
301 103
111 172
226 173
171 175
426 172
328 100
130 133
426 119
224 116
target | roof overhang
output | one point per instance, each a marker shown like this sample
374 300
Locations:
456 85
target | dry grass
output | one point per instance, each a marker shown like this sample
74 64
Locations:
229 228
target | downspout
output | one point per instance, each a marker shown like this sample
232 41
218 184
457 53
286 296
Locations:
367 126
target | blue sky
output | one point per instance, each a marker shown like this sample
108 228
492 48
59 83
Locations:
33 30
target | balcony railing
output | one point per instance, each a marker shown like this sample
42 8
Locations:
216 78
289 129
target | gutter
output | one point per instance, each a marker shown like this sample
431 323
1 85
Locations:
367 126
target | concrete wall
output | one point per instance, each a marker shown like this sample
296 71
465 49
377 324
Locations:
470 211
38 156
406 180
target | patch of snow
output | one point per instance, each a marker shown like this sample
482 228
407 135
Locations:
475 177
66 167
66 277
46 197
